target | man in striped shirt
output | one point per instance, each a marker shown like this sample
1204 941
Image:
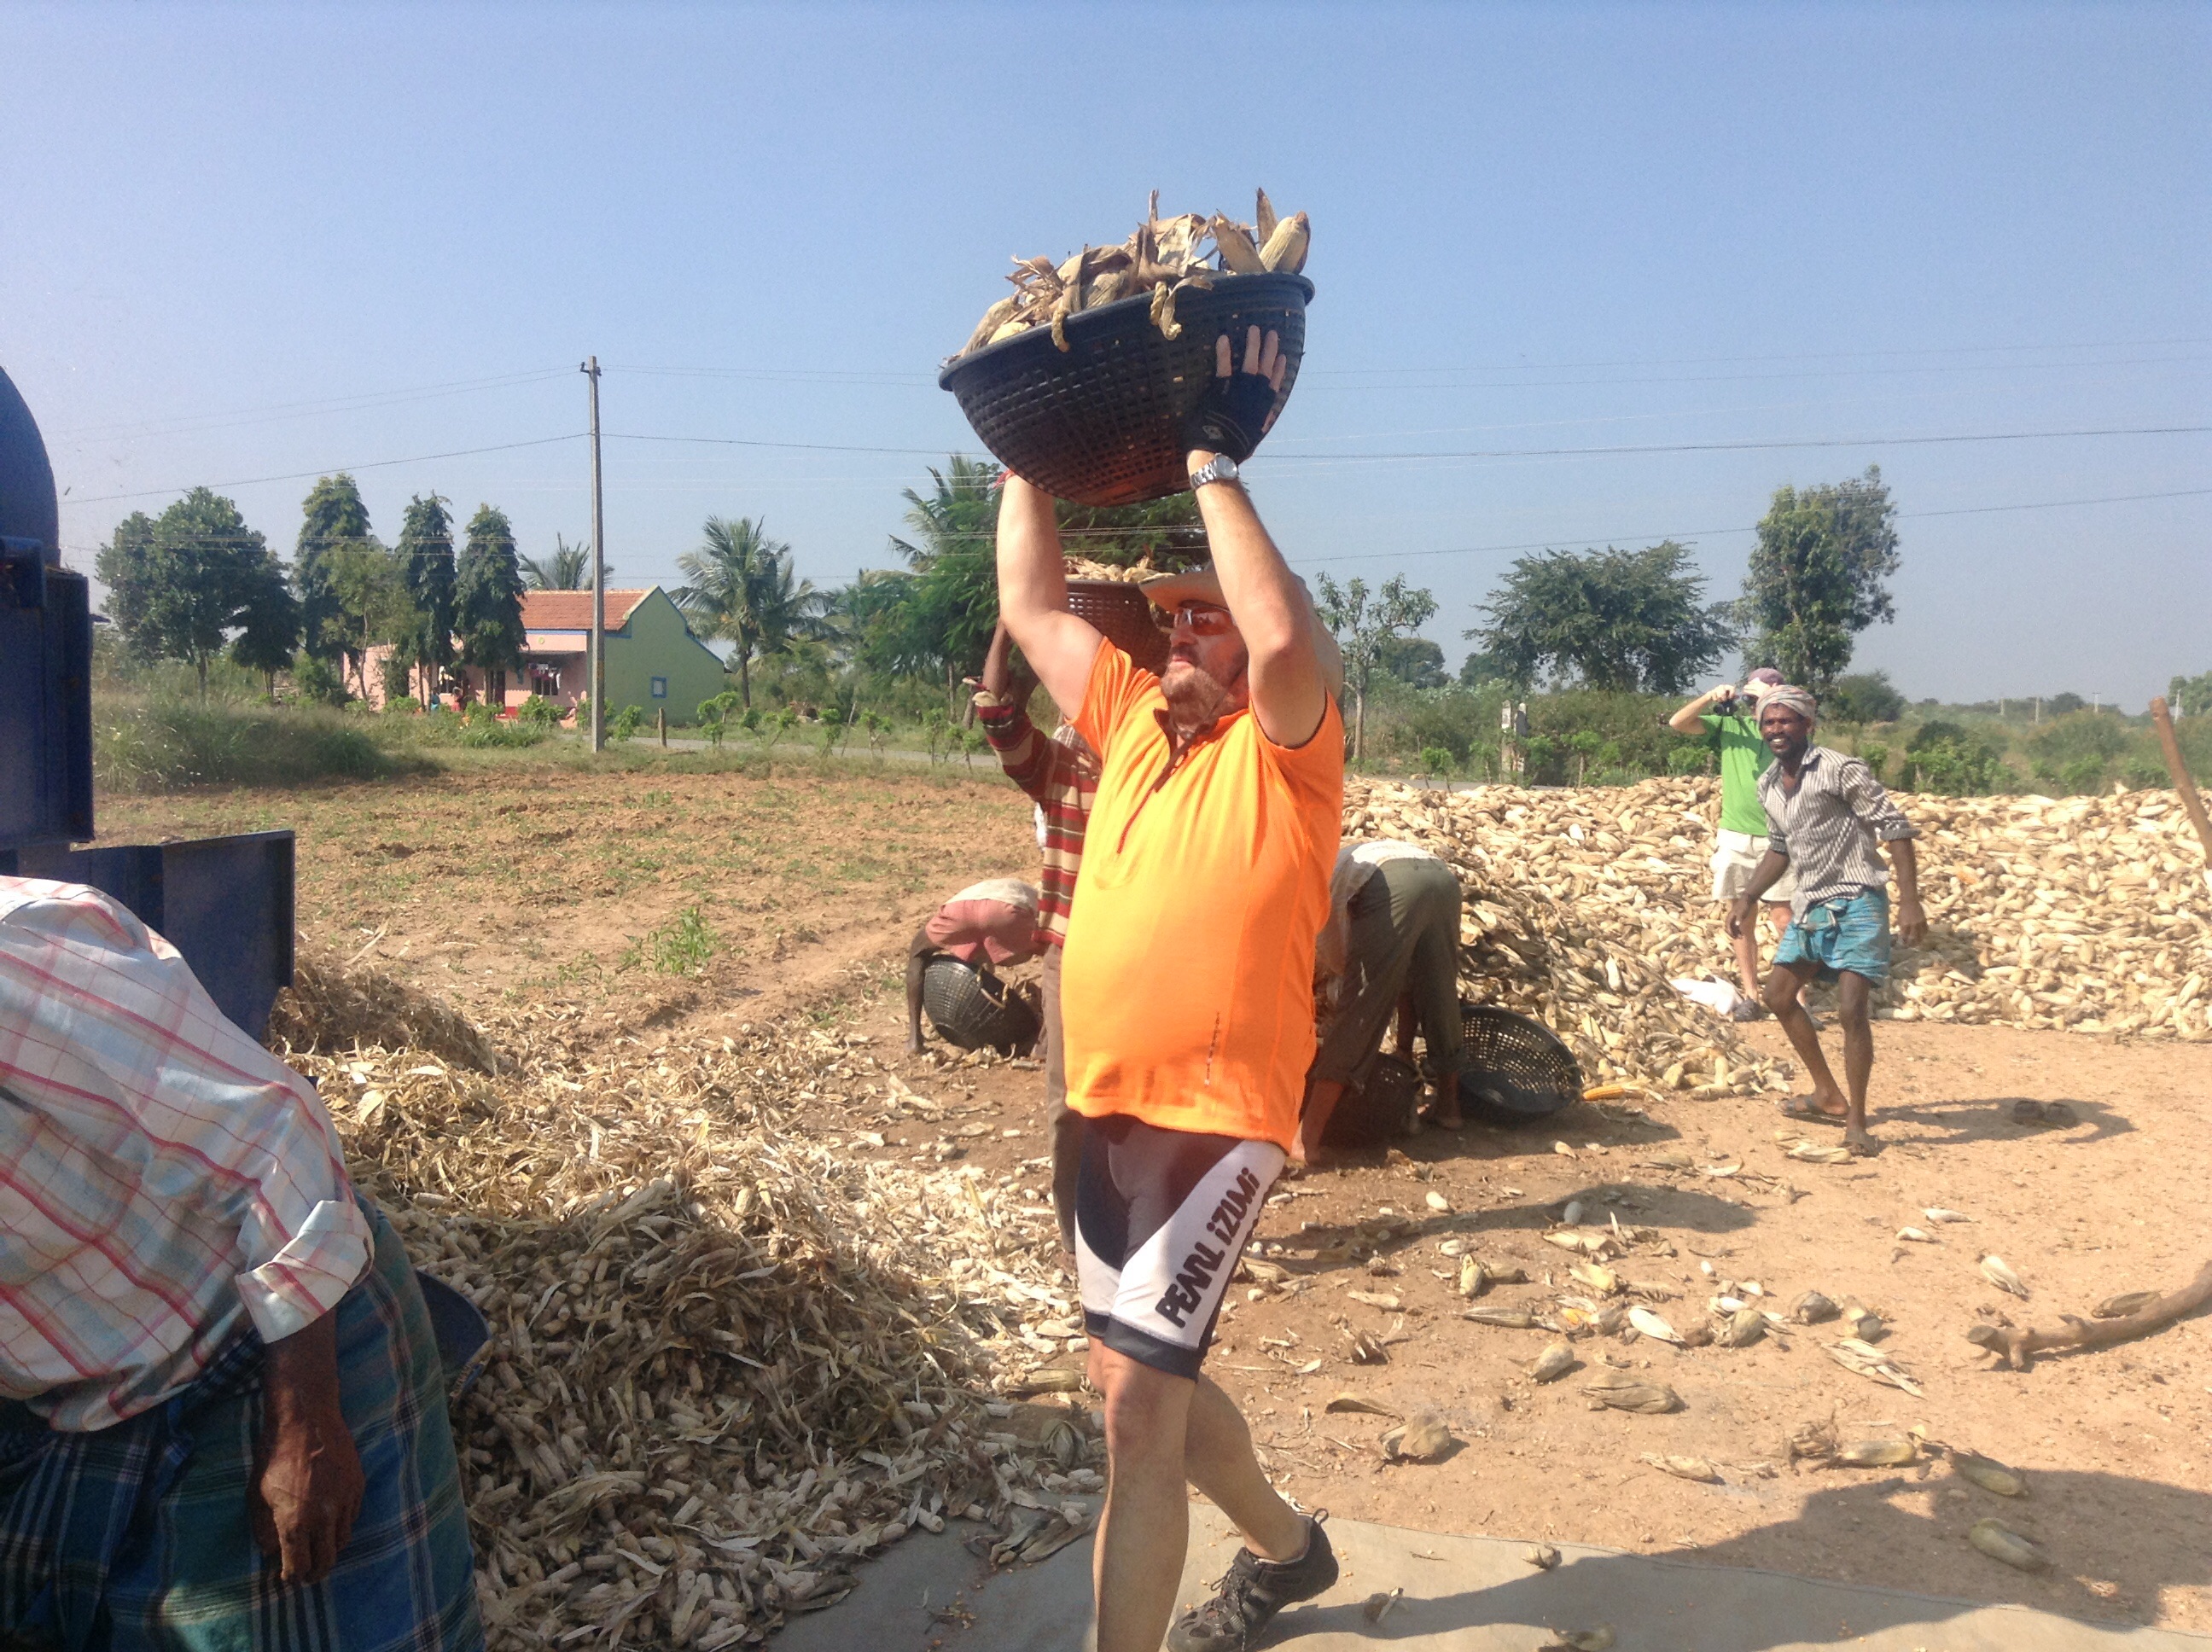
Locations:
222 1414
1826 812
1060 772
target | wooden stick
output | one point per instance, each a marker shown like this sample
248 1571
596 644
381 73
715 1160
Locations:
2163 720
2016 1348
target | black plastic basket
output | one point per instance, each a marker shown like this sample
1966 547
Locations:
1517 1071
1101 422
1382 1111
971 1007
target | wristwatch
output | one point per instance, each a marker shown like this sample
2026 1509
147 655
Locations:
1220 468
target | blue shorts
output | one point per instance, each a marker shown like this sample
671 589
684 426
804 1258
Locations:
1848 932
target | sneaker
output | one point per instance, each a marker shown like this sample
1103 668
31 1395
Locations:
1250 1593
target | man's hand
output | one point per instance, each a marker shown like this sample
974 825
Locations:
1743 915
1912 921
1236 407
308 1484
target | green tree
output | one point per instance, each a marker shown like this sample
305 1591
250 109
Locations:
426 563
567 567
1166 534
1863 697
1625 620
488 599
950 606
1362 626
1415 661
1817 573
269 622
2190 696
332 514
741 587
370 604
181 583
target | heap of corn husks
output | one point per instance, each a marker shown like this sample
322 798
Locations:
2087 913
727 1361
1162 257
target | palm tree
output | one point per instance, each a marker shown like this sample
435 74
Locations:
569 568
742 590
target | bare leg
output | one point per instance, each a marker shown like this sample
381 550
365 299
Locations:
1747 963
1320 1101
1854 999
1219 1459
1777 918
1783 984
1163 1433
1405 1041
916 962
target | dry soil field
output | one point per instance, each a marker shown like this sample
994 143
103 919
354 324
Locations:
521 889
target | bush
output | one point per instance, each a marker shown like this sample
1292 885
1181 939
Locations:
317 681
1949 760
1863 697
2077 752
625 723
158 743
1437 760
402 704
539 712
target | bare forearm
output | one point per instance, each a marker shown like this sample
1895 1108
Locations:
1271 610
1906 859
1764 875
307 1488
1685 721
1033 595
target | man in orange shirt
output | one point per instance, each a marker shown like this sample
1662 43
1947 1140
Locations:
1220 795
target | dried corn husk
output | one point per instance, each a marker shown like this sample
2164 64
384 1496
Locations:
1875 1454
1424 1439
1652 1399
1682 1468
2090 892
1869 1362
1654 1326
1812 1308
728 1361
1990 1474
2000 1542
1555 1362
1999 1273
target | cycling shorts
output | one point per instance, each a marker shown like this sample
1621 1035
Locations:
1161 1218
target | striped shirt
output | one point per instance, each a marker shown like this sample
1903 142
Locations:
1827 829
1062 778
164 1181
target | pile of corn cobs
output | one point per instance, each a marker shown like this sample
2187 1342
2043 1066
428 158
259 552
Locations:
1164 256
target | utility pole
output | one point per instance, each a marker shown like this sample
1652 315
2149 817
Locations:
590 369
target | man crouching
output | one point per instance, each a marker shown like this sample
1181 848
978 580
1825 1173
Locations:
1824 813
1216 817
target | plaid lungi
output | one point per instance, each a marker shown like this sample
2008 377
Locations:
138 1537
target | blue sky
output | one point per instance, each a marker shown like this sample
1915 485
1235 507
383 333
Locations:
248 242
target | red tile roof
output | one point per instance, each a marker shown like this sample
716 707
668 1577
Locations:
571 611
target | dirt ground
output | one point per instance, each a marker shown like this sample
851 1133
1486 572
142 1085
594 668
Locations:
509 881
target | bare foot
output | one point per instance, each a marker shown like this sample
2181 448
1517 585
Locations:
1862 1145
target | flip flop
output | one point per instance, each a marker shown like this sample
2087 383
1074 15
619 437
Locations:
1801 1109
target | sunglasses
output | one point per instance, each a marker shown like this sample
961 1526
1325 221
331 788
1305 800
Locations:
1203 619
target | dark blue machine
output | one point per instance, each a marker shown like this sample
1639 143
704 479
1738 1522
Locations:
224 903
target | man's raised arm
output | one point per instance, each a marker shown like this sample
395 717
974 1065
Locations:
1289 693
1033 596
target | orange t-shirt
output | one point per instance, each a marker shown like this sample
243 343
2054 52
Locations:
1186 984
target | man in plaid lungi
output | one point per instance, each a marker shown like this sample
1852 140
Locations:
223 1418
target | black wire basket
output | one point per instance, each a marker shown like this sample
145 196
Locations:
1517 1071
1380 1112
970 1007
1101 422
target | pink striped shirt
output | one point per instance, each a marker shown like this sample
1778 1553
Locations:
163 1179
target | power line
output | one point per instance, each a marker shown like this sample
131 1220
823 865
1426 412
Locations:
272 412
1759 447
332 470
797 447
1688 534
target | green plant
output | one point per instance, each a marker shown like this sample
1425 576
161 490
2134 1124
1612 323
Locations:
1817 575
539 712
833 728
679 947
402 704
1875 756
317 681
938 733
1948 759
625 724
1437 760
1690 760
714 716
879 729
160 743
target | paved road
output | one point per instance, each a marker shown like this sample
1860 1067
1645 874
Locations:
1464 1594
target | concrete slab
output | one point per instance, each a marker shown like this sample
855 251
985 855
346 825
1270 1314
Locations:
1462 1594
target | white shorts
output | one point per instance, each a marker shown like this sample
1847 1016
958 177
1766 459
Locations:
1733 862
1161 1219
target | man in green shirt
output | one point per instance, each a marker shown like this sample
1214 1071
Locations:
1729 719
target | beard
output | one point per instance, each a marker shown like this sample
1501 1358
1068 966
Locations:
1194 695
